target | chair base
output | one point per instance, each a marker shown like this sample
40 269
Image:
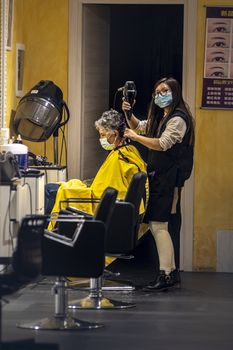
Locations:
98 303
67 323
114 285
109 285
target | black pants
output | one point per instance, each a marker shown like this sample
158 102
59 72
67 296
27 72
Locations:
50 196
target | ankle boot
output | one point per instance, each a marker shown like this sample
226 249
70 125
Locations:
176 277
161 283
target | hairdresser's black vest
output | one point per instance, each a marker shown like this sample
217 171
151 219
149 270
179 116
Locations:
178 159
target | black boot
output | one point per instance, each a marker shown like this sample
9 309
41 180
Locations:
176 277
162 283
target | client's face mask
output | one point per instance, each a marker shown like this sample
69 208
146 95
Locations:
106 145
163 99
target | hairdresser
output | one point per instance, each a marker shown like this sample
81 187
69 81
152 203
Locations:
168 133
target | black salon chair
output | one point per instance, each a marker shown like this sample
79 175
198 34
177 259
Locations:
40 251
121 239
96 299
122 236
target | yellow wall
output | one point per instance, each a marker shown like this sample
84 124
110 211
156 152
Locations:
213 164
42 26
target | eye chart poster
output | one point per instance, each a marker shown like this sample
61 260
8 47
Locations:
218 63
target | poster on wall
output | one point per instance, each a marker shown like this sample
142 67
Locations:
20 51
218 63
10 14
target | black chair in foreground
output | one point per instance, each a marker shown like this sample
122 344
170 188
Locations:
96 299
121 239
52 254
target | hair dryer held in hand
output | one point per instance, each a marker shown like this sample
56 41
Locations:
129 93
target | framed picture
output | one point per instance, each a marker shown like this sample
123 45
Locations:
20 51
10 15
217 85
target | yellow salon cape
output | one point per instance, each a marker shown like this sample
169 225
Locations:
116 171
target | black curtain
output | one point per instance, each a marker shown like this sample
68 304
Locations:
146 43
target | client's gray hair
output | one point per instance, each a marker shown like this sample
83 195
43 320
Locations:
112 120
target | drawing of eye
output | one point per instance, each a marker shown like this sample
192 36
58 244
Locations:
218 43
221 41
217 74
216 71
219 27
219 55
218 59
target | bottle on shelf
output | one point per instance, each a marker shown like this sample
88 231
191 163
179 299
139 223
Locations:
19 139
12 140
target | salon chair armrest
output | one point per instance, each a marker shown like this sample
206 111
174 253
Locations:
75 211
79 200
58 238
68 228
69 241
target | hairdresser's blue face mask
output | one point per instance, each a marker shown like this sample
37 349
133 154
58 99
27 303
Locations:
106 145
163 99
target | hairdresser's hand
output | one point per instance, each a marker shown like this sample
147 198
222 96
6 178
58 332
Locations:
126 106
130 134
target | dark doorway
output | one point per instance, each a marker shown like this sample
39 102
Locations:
146 43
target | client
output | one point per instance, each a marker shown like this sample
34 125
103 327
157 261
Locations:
116 171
